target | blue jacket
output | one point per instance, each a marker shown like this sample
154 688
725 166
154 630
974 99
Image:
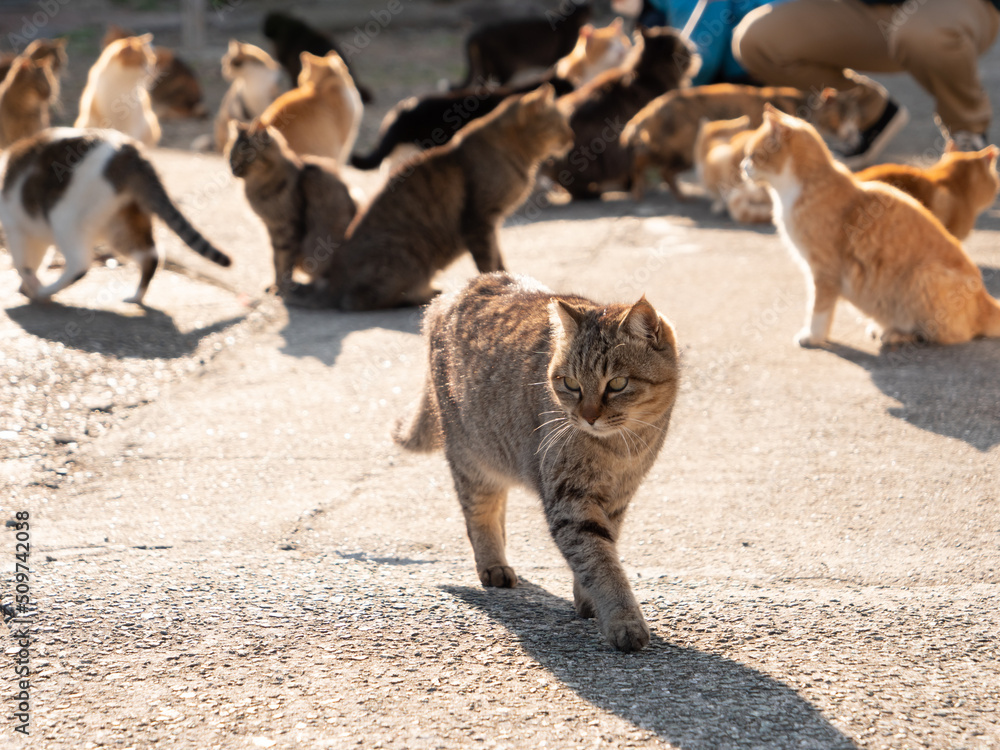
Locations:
713 34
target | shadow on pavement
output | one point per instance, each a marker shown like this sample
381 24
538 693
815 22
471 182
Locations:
320 333
691 699
950 390
150 335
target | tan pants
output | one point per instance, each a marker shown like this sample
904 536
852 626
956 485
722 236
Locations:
808 43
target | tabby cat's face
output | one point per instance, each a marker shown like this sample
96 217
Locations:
614 369
251 148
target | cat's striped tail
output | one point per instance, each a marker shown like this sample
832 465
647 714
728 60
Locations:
421 432
132 174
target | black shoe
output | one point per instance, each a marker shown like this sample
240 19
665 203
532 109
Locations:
875 137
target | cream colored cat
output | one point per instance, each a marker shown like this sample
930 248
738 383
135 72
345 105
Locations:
867 242
596 51
256 82
322 116
718 152
116 95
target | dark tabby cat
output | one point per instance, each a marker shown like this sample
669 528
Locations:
291 37
25 96
40 50
302 202
433 119
75 188
174 90
502 49
560 394
661 60
448 200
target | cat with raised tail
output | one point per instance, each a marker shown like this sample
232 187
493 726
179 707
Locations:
75 188
867 242
566 396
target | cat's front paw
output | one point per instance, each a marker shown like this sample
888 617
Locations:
627 631
806 340
501 576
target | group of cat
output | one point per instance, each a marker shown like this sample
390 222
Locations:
580 407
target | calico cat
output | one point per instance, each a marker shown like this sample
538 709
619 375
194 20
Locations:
560 394
434 119
500 50
25 96
256 82
40 50
867 242
448 200
661 60
291 37
174 90
718 153
956 190
322 116
596 51
75 188
302 201
116 94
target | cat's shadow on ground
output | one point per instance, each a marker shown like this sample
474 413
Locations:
150 334
690 698
321 333
950 390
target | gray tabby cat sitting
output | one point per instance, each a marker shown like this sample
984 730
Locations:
563 395
301 200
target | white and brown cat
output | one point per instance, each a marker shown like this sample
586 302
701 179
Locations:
867 242
718 153
322 115
75 188
596 51
116 95
255 83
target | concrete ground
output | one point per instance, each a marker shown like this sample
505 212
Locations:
228 552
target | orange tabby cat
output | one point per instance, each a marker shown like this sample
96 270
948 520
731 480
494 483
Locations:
596 51
116 94
867 242
321 117
25 96
718 152
956 190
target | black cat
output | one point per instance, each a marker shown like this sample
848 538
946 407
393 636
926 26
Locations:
435 118
499 50
291 37
600 110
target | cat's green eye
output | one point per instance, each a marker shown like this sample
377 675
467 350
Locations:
572 384
617 384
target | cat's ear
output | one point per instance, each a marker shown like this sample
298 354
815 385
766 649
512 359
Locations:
146 38
643 322
950 147
773 118
565 318
990 153
587 31
827 94
234 47
743 122
618 22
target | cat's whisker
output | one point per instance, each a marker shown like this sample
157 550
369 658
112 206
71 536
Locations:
636 437
557 419
648 424
553 438
625 442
